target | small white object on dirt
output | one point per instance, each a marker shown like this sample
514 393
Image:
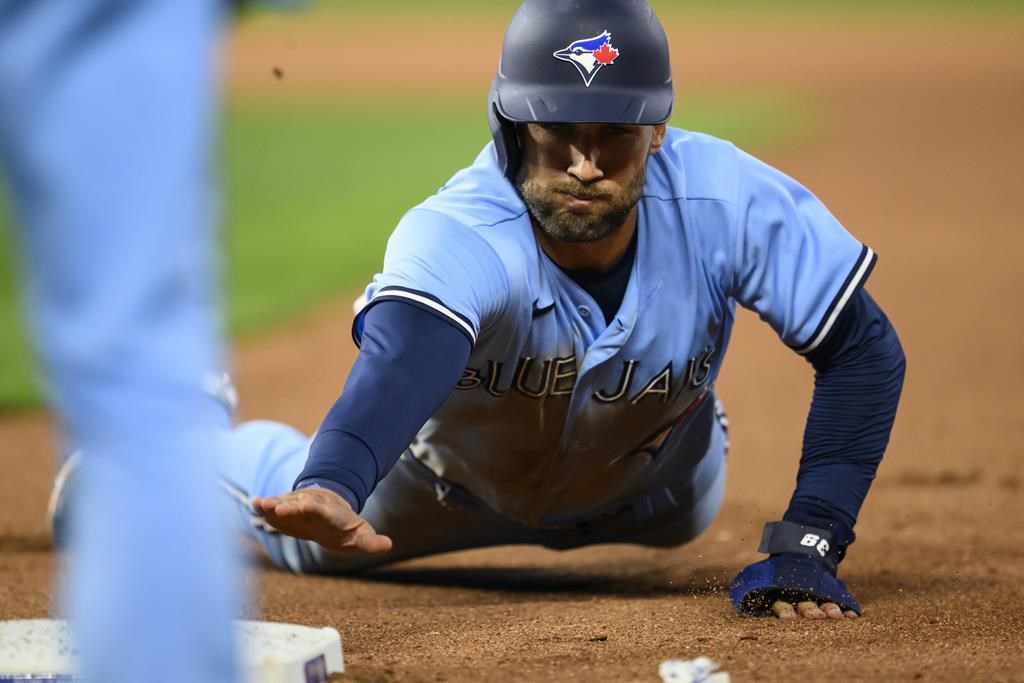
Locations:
700 670
43 650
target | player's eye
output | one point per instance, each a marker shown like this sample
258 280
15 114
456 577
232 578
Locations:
557 128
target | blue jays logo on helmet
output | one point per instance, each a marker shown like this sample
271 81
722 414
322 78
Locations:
589 55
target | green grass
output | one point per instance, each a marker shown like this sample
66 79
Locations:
18 385
314 192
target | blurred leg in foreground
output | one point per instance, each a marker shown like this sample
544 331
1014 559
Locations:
108 111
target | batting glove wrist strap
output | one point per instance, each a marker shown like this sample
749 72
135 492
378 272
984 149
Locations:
800 539
800 568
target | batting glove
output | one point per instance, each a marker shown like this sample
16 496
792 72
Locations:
802 566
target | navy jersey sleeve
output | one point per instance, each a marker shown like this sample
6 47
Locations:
793 263
410 360
859 370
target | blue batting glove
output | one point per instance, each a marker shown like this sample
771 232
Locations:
802 567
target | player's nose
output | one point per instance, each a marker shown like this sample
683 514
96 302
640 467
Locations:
584 165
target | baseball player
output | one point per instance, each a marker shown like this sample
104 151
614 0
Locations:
107 113
538 356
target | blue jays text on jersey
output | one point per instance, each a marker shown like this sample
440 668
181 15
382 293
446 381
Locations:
552 397
557 377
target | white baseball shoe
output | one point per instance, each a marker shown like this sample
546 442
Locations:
60 495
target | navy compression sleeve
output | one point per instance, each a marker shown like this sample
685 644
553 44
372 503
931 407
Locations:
859 373
409 361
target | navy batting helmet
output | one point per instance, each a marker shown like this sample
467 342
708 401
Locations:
579 61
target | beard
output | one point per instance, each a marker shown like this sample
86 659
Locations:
583 223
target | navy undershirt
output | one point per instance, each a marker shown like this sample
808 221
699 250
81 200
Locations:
607 288
411 358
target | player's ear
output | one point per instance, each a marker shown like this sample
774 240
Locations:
658 138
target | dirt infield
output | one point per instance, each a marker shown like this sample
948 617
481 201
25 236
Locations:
920 156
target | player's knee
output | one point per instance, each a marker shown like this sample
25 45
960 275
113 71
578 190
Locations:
267 434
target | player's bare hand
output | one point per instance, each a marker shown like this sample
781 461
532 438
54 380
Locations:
320 515
810 610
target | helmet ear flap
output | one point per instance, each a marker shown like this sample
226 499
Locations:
506 141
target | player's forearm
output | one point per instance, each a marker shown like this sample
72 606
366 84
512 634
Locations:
857 388
408 363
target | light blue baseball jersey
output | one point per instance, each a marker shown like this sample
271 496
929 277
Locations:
558 416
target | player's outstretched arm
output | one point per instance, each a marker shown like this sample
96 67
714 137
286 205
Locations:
409 361
859 376
322 516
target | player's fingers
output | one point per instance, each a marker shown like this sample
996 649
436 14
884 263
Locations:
277 505
850 614
268 506
832 610
783 610
285 509
809 610
373 543
260 504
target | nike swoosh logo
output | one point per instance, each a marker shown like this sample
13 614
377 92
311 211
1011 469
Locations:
537 312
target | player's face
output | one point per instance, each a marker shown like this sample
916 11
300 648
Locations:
581 181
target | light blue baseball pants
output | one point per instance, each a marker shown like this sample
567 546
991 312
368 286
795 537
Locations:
108 110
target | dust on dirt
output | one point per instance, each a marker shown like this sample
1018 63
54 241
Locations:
920 157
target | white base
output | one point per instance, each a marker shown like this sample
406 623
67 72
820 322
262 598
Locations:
700 670
43 650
